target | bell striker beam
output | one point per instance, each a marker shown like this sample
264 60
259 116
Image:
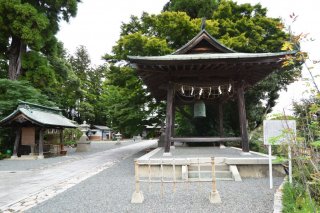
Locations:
170 96
242 117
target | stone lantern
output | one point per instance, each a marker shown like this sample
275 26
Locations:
118 137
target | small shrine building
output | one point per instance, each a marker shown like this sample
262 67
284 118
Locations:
31 122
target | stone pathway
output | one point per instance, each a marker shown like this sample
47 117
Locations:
21 190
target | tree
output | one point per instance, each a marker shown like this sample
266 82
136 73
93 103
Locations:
13 91
127 103
194 8
32 24
244 28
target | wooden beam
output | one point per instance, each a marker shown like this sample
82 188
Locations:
243 117
170 96
205 139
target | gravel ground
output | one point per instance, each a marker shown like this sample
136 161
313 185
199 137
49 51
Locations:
72 155
110 191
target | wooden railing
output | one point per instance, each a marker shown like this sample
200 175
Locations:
138 197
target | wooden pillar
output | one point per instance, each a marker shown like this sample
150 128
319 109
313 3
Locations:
243 117
173 121
61 140
221 130
41 133
170 95
16 143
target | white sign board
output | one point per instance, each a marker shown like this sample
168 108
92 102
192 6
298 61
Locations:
276 132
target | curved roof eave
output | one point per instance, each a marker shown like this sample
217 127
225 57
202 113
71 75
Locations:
21 111
208 56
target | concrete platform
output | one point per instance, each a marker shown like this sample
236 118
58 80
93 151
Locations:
230 163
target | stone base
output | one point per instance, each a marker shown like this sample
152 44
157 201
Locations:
222 146
245 153
137 197
14 157
40 157
167 154
214 197
83 147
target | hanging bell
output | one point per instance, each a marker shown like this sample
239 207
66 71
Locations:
199 109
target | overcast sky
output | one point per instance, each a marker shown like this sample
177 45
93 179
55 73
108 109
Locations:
97 26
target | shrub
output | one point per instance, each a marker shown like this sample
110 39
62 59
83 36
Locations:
295 199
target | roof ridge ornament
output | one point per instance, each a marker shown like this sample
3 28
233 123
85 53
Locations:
203 23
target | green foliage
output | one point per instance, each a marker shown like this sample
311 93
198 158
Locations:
128 104
33 24
71 136
139 44
4 155
88 105
194 8
22 20
256 140
306 112
295 199
12 91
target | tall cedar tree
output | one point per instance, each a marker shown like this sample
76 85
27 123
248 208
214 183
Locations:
32 24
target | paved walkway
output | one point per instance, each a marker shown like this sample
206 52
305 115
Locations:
22 189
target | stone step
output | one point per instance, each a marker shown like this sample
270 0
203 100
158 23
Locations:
218 167
207 174
209 179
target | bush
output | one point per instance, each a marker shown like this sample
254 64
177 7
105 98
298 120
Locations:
71 136
295 199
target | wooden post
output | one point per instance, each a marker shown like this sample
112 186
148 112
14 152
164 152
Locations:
213 170
170 94
136 171
137 196
61 140
243 118
16 143
214 196
41 144
221 130
173 121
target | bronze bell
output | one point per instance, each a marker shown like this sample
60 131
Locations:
199 109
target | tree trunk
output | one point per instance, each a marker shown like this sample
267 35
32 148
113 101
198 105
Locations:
17 48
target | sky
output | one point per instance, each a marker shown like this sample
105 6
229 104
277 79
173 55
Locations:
97 27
